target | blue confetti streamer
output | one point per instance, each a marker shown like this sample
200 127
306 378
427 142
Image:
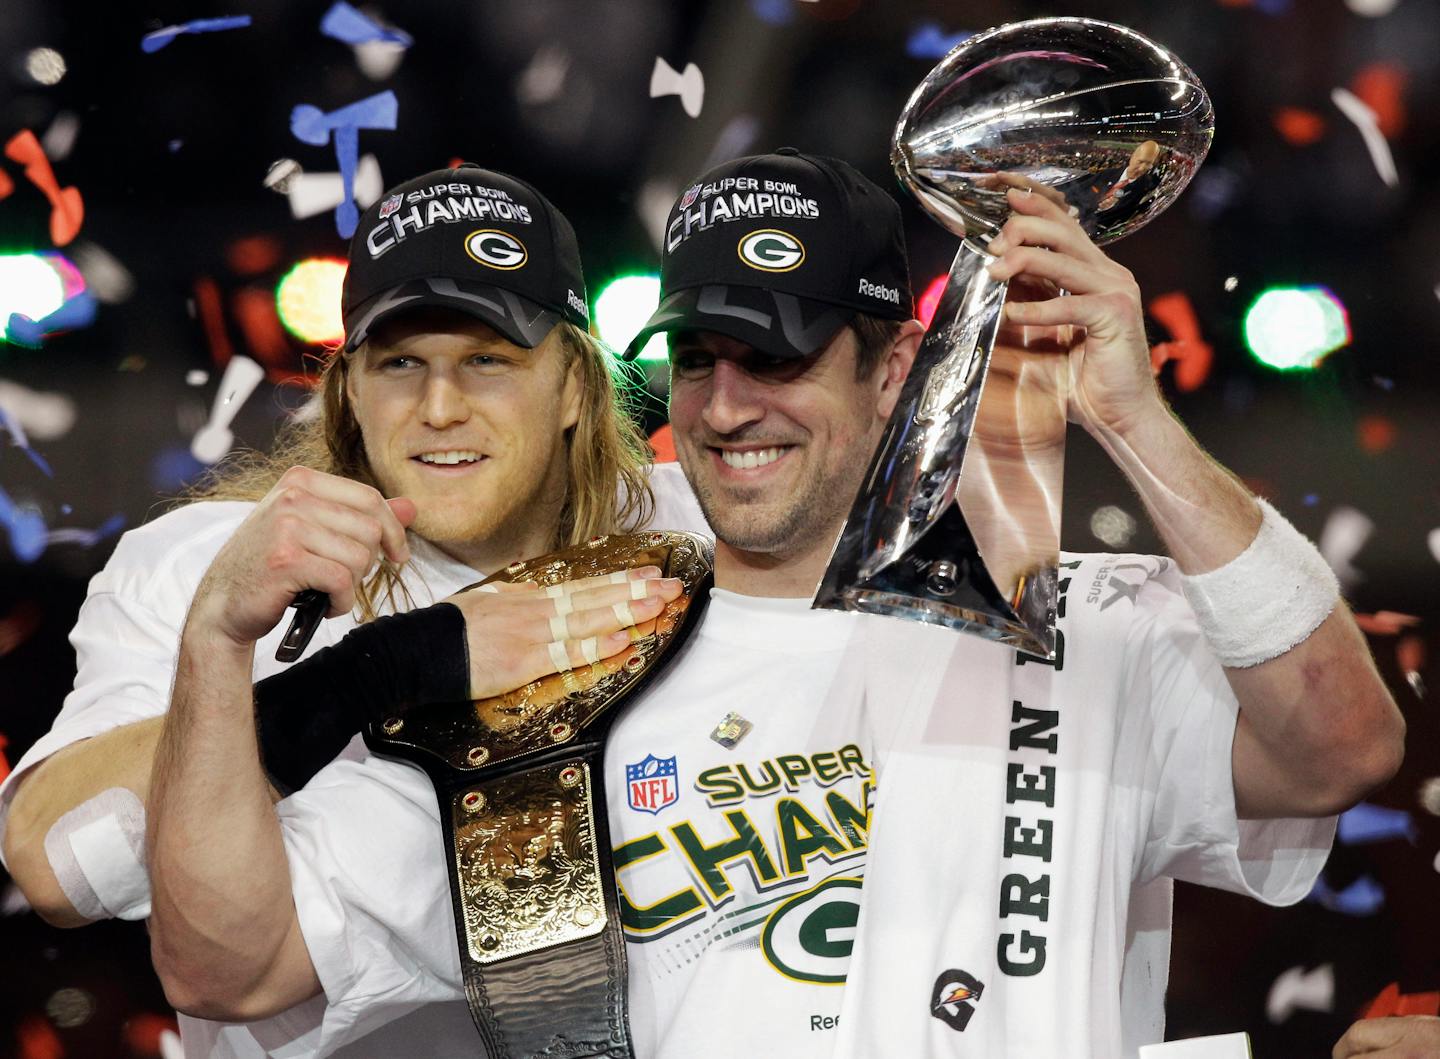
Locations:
929 41
75 313
344 23
153 42
312 125
1366 823
28 535
1363 897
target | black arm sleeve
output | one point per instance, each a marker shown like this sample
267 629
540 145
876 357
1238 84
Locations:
306 715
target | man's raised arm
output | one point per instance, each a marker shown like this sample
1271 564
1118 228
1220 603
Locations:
1317 727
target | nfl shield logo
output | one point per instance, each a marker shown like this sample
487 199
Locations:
390 205
690 196
651 784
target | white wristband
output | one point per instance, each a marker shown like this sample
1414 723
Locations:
1267 599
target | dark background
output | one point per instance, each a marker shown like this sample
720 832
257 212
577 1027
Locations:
170 157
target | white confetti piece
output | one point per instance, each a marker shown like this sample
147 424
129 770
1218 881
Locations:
214 439
44 416
1298 989
1354 108
314 193
1434 541
689 86
1345 533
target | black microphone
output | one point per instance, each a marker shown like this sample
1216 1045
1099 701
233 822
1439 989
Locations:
310 607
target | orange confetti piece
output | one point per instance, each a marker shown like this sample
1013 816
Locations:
1298 127
1381 87
67 209
1192 355
1375 434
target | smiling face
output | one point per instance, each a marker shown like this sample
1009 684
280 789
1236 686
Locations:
775 449
471 427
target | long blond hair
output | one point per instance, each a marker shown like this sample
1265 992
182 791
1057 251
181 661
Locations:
607 459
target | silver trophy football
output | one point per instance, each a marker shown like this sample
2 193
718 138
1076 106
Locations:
958 519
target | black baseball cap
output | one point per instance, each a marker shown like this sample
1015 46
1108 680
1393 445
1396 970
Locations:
469 239
780 251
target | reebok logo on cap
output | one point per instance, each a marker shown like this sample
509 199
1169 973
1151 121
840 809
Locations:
879 290
771 250
497 249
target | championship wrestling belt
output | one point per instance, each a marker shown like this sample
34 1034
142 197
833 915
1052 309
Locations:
521 787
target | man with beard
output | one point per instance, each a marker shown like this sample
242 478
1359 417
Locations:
471 395
1013 824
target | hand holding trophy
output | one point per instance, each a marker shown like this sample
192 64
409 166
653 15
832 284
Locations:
958 519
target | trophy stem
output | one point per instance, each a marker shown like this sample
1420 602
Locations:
957 520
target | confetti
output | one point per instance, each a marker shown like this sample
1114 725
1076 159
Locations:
1385 622
1429 795
75 313
689 86
1354 108
1410 656
43 415
929 41
196 377
1364 824
1375 434
153 42
1113 526
311 125
1298 127
1381 86
214 439
1392 1002
45 66
1298 989
1231 282
1345 533
67 209
25 526
1432 541
1191 354
543 78
1372 8
349 25
1363 897
59 139
281 174
312 193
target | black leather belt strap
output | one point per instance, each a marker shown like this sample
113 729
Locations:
521 786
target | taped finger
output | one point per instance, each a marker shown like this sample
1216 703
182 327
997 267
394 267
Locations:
590 650
623 614
560 627
564 604
639 589
559 657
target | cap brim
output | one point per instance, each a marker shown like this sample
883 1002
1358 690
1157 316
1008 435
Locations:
781 325
514 316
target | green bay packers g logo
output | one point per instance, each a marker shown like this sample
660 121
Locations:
809 937
495 248
771 250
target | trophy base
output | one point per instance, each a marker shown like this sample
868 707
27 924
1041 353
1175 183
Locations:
942 580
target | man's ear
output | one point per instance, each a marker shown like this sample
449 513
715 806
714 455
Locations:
570 394
895 367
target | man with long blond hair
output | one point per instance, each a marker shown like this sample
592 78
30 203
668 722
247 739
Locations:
468 421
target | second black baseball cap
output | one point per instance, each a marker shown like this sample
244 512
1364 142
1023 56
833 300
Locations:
469 239
780 251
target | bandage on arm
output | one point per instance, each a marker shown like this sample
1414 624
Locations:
307 715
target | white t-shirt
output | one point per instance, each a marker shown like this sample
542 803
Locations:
126 638
1027 821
